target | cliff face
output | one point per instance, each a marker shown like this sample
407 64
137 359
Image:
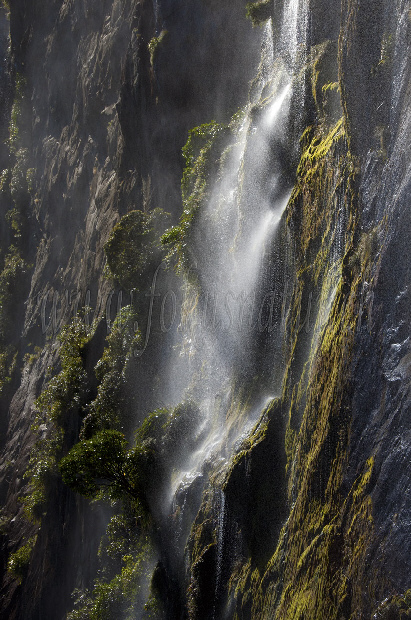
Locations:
271 481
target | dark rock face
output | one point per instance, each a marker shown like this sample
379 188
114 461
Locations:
310 517
103 125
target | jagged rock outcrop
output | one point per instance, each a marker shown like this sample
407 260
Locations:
102 118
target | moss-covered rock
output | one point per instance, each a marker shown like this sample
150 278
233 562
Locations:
201 154
19 561
133 251
259 12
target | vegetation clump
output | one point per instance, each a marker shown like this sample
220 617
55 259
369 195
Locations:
14 264
59 410
133 479
201 153
120 589
14 270
259 12
395 608
95 463
16 112
110 407
133 249
19 561
154 45
105 466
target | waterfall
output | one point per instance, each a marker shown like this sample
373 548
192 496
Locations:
294 31
238 223
234 230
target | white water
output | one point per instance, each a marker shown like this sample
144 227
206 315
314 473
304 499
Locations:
234 232
294 31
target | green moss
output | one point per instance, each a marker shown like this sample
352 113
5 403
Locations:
8 360
200 154
329 86
121 595
30 179
259 12
14 273
317 562
395 608
133 250
108 409
57 406
325 531
290 444
16 112
154 45
19 561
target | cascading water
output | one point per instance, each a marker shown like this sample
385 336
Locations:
294 31
234 230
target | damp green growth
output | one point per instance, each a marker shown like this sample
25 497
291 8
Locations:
30 358
19 561
171 432
30 179
131 477
64 392
330 86
121 593
324 83
106 466
154 45
201 154
198 146
310 568
259 12
395 608
314 179
99 462
16 112
15 270
58 410
109 409
156 607
8 360
4 180
133 250
18 181
387 49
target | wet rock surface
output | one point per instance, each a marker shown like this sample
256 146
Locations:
307 515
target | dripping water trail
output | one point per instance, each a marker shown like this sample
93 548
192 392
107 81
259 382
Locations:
220 549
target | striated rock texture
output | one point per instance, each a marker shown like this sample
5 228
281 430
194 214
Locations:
308 516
